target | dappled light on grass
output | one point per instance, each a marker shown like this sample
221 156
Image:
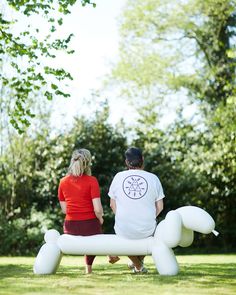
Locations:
199 274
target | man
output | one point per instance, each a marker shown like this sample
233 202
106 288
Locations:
136 200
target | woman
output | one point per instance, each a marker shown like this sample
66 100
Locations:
79 197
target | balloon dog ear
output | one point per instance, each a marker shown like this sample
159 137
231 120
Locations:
196 219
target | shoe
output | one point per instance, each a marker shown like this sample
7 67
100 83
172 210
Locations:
140 271
130 265
113 259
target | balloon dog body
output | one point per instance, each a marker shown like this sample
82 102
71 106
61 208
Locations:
175 230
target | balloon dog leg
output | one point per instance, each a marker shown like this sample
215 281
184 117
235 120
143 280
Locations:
49 256
165 260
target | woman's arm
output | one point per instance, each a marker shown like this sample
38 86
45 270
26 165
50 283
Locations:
63 206
159 206
98 210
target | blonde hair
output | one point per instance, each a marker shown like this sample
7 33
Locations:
80 163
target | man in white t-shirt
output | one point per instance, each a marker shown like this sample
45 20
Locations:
136 200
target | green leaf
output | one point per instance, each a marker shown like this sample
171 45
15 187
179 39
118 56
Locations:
60 21
54 86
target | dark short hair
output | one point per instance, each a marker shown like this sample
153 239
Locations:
134 157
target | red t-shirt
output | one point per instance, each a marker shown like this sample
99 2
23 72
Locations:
78 193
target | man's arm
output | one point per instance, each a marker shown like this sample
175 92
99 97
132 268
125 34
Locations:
63 206
113 205
98 210
159 206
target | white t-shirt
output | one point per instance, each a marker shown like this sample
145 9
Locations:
135 192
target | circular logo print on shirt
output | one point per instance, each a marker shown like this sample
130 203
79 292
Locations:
135 186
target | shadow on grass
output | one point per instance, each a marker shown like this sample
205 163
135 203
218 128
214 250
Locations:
15 271
202 276
215 273
207 276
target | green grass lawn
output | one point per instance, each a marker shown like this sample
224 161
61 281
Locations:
199 274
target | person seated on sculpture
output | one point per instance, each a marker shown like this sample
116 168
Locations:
136 198
79 197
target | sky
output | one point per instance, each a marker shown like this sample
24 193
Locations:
95 41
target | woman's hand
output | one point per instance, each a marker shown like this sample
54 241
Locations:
101 220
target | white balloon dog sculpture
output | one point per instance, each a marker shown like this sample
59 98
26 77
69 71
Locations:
175 230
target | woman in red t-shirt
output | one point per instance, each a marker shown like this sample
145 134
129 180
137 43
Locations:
79 197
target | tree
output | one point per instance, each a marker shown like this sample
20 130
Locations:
22 56
218 166
30 171
187 49
179 44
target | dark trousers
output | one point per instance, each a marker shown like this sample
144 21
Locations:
83 228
